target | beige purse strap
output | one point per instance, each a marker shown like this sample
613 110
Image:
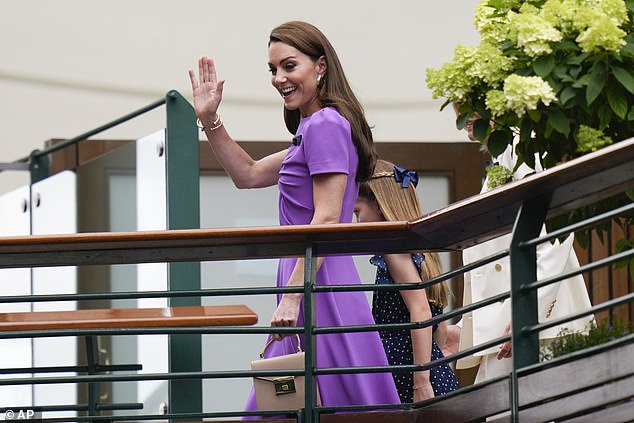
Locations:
268 344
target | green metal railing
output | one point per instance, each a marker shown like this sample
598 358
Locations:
449 229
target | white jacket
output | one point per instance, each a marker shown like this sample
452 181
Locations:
554 301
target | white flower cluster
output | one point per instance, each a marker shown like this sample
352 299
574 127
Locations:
520 94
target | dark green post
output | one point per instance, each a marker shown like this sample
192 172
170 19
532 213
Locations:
183 212
524 304
38 166
310 272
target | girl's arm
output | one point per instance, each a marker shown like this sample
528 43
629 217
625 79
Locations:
328 191
403 270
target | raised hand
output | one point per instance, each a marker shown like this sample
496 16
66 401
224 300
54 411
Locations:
207 91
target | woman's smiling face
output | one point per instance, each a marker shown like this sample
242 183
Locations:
294 76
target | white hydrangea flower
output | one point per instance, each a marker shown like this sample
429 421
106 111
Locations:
523 93
534 33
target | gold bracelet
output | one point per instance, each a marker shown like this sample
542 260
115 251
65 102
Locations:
215 125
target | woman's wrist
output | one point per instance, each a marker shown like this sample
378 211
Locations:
209 125
293 296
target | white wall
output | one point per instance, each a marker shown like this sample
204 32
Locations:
67 66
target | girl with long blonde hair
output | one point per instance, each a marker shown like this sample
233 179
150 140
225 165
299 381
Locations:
390 195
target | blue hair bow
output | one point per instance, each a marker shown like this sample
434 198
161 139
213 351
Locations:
405 176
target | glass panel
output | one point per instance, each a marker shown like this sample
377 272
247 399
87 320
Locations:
107 202
223 205
54 211
433 192
14 353
152 350
124 190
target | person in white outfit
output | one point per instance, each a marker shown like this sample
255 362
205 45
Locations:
493 321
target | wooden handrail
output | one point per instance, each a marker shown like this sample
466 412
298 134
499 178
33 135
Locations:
216 315
573 184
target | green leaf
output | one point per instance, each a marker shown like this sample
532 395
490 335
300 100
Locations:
480 128
460 121
598 78
442 106
535 115
544 65
566 95
480 109
630 115
577 59
566 45
554 83
624 245
526 129
549 161
583 81
630 194
604 113
624 77
558 120
618 102
561 71
582 239
525 153
498 141
574 71
628 50
524 72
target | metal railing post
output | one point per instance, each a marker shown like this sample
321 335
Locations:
310 272
38 166
528 224
183 212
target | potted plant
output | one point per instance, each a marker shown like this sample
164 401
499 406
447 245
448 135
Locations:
598 333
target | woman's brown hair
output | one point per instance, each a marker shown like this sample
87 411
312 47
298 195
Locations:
333 90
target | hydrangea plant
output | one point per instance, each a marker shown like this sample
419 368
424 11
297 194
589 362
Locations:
553 77
557 75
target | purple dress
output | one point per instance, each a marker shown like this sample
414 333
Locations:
324 145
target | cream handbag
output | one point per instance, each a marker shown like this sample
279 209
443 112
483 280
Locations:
280 392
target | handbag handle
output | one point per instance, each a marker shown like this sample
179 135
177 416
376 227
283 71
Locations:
268 344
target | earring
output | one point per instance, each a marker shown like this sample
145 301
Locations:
319 78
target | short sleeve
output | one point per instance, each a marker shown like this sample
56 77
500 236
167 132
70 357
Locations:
379 262
327 143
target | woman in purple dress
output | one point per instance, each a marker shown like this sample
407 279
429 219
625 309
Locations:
318 178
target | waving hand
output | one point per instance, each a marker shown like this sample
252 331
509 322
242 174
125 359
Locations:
207 90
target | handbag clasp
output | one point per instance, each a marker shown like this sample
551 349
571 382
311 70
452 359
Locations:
284 385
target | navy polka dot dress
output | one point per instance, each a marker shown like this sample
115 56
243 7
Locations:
389 307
